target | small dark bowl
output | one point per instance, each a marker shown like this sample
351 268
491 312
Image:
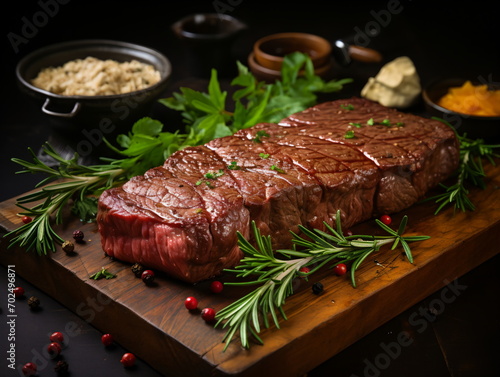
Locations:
476 127
104 112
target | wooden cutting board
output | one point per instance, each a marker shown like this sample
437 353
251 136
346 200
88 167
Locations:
152 322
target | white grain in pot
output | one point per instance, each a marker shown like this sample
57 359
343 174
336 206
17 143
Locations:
93 77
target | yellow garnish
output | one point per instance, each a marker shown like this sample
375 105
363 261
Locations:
472 99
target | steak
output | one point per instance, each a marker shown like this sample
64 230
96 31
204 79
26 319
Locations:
351 155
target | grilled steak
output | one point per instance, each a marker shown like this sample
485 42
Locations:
352 155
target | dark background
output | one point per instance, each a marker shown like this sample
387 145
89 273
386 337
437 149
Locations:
444 39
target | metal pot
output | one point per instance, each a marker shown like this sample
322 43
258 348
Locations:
101 111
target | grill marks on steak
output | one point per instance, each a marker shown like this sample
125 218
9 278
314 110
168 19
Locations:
411 158
222 201
301 171
277 201
327 180
385 146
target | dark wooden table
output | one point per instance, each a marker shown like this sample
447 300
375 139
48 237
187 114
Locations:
457 339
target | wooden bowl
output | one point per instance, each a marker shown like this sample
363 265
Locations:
270 51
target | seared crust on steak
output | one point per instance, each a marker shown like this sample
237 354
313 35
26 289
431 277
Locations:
351 155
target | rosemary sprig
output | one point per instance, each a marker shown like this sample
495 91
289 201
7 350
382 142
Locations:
469 172
74 182
275 275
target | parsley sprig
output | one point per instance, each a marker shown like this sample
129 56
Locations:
209 115
274 271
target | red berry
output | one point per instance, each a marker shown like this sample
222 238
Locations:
27 219
107 339
208 314
29 369
216 286
54 349
340 269
18 291
148 276
348 232
304 270
128 360
57 337
191 303
78 235
386 219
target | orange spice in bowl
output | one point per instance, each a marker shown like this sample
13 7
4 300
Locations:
472 100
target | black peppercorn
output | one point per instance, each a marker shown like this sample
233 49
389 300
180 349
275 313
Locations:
317 288
137 269
78 235
33 302
62 368
68 247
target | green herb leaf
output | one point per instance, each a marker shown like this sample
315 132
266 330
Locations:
85 208
233 166
103 273
349 134
260 134
276 168
214 175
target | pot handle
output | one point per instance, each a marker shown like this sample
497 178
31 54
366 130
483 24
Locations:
364 54
344 53
71 114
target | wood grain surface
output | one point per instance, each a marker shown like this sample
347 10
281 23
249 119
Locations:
152 321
